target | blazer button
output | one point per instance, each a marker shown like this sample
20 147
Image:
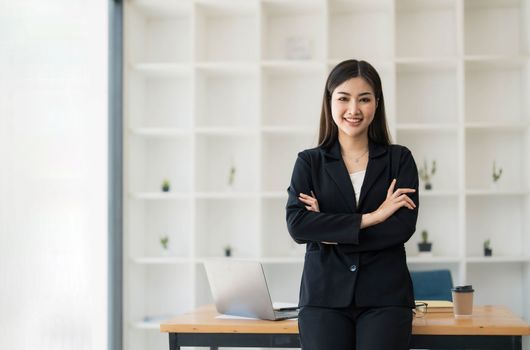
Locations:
353 268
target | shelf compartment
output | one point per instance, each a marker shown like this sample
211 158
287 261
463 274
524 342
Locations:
498 285
494 27
222 222
157 159
505 231
441 146
427 93
439 217
155 291
158 31
348 21
289 146
507 149
226 31
149 221
495 91
292 97
426 28
159 101
293 30
232 98
275 239
217 155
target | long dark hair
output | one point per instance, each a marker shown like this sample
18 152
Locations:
378 129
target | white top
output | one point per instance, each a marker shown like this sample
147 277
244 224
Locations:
357 179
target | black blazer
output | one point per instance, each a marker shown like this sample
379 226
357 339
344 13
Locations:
368 266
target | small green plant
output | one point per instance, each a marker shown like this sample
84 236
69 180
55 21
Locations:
496 174
487 248
166 185
426 175
164 241
424 236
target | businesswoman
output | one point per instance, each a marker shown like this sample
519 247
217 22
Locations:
354 201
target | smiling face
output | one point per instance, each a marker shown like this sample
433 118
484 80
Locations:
353 106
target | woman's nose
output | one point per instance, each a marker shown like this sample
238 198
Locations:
353 108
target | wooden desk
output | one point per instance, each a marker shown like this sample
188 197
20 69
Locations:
491 327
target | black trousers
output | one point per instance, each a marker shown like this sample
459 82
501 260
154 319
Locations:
353 328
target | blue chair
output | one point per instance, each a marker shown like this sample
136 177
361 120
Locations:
432 285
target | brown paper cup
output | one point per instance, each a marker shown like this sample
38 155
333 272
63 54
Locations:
463 301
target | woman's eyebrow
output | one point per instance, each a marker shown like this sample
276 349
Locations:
361 94
364 93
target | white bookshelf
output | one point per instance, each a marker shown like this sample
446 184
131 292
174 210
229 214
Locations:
211 84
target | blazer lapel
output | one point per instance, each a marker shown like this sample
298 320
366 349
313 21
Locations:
376 164
337 170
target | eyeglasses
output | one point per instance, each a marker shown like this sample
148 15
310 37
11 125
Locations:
420 310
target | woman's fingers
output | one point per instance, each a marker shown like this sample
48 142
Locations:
401 191
307 199
311 201
405 200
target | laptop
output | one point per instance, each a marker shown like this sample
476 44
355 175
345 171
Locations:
239 288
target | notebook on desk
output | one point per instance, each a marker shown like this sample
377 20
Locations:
239 288
437 305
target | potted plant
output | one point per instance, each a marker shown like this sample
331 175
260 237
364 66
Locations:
425 175
164 241
166 185
496 174
424 246
487 248
228 251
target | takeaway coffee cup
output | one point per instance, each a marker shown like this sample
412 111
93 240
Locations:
463 301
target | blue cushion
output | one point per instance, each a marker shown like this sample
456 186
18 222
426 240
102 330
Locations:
432 285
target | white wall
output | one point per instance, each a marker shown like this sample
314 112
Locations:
53 174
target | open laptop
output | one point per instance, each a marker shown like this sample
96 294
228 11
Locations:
239 288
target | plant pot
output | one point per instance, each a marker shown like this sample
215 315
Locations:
425 247
165 188
228 252
428 186
488 252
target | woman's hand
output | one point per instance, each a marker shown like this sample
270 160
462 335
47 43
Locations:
310 201
311 205
394 201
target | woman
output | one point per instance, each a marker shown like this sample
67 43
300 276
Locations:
354 201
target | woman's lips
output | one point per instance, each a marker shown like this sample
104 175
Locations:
353 121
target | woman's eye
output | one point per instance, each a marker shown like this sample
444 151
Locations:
343 99
365 100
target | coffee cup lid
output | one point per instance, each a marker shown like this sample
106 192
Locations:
463 289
